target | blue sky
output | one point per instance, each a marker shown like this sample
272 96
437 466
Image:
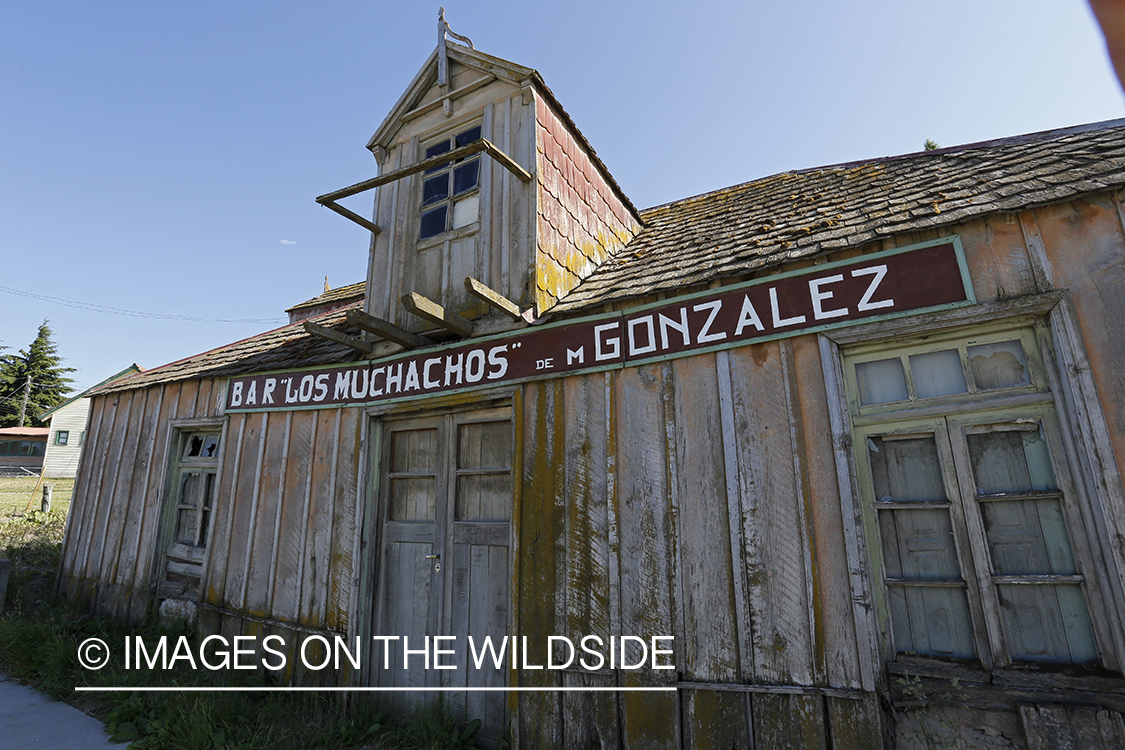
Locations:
163 157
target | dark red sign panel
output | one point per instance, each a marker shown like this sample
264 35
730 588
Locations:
828 296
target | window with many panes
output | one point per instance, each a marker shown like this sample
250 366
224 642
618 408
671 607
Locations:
192 485
450 192
967 501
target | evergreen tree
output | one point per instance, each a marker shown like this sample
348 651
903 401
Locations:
49 381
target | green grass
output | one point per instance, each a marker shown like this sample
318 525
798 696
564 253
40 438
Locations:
39 637
18 494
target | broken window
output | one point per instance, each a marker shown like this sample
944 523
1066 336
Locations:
450 192
193 489
966 503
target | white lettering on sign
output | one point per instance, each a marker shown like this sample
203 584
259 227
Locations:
705 335
818 298
865 303
601 354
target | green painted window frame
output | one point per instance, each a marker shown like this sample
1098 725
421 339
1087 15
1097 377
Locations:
62 437
950 420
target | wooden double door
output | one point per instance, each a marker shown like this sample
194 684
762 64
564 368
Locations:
445 506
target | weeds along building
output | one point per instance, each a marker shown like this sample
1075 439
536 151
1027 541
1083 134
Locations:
852 436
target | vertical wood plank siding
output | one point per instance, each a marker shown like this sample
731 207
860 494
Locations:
283 530
698 497
673 569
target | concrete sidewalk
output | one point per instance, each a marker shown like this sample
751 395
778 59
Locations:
29 719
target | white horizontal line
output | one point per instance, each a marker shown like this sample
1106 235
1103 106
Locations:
301 689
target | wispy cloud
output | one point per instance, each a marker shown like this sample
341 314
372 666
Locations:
288 242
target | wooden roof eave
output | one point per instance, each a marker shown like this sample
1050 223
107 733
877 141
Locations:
427 77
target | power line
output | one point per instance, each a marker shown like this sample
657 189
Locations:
93 307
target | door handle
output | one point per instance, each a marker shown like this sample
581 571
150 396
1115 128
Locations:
432 557
437 565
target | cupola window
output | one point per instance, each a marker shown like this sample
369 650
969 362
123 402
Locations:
450 192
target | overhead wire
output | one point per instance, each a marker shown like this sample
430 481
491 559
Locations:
108 309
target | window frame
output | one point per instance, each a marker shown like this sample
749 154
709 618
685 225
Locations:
449 137
187 561
951 419
62 437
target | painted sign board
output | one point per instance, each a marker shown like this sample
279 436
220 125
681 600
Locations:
883 285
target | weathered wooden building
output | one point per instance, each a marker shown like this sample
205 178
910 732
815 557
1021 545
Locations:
853 436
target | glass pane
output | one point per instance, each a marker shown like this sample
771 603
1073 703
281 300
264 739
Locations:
466 210
937 374
186 524
412 499
437 148
414 450
1001 365
484 497
210 446
204 522
470 135
881 382
484 445
931 620
1010 461
208 490
435 189
1028 537
465 176
918 544
433 222
1046 623
194 446
906 469
190 485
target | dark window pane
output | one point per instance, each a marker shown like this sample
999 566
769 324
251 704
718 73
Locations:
435 189
931 620
4 449
437 148
1028 537
1012 461
918 544
186 525
470 135
465 176
1047 623
210 446
906 470
433 222
194 446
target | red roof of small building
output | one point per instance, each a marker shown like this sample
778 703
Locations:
24 432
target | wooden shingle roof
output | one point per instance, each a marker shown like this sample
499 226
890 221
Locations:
804 213
757 225
349 292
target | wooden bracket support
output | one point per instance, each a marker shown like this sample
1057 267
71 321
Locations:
483 145
493 298
386 330
327 333
427 309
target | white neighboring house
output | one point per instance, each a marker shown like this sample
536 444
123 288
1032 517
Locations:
68 429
